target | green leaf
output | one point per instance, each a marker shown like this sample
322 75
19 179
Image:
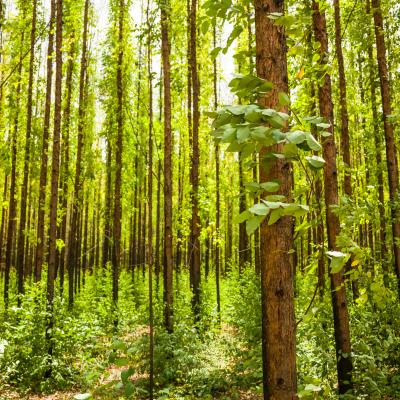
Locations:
296 137
312 143
323 125
338 260
275 198
275 215
259 209
243 133
129 389
229 135
245 215
283 99
315 162
270 186
127 374
253 223
118 345
290 150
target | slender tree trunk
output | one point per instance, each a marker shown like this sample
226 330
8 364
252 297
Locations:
12 208
107 212
391 152
168 255
65 164
55 169
3 222
217 186
195 222
339 302
344 116
40 246
77 201
150 205
243 238
118 160
158 214
24 188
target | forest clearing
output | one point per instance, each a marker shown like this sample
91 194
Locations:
199 199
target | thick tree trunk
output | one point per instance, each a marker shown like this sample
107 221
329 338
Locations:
339 302
278 325
391 152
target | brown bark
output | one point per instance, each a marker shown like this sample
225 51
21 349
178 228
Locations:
12 200
65 160
40 246
3 222
116 256
55 168
107 212
168 256
194 173
278 325
339 302
244 249
24 188
391 153
77 201
344 116
150 206
217 186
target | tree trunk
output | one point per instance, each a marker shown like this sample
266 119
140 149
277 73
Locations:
116 256
40 246
278 325
24 188
195 222
12 209
339 303
55 169
77 201
168 256
65 164
391 153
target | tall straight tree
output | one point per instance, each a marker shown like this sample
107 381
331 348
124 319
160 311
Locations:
194 172
168 255
24 188
150 202
344 115
55 170
40 246
77 202
116 255
12 209
278 325
391 152
338 293
377 139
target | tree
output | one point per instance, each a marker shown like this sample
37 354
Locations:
278 326
339 303
168 256
391 152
